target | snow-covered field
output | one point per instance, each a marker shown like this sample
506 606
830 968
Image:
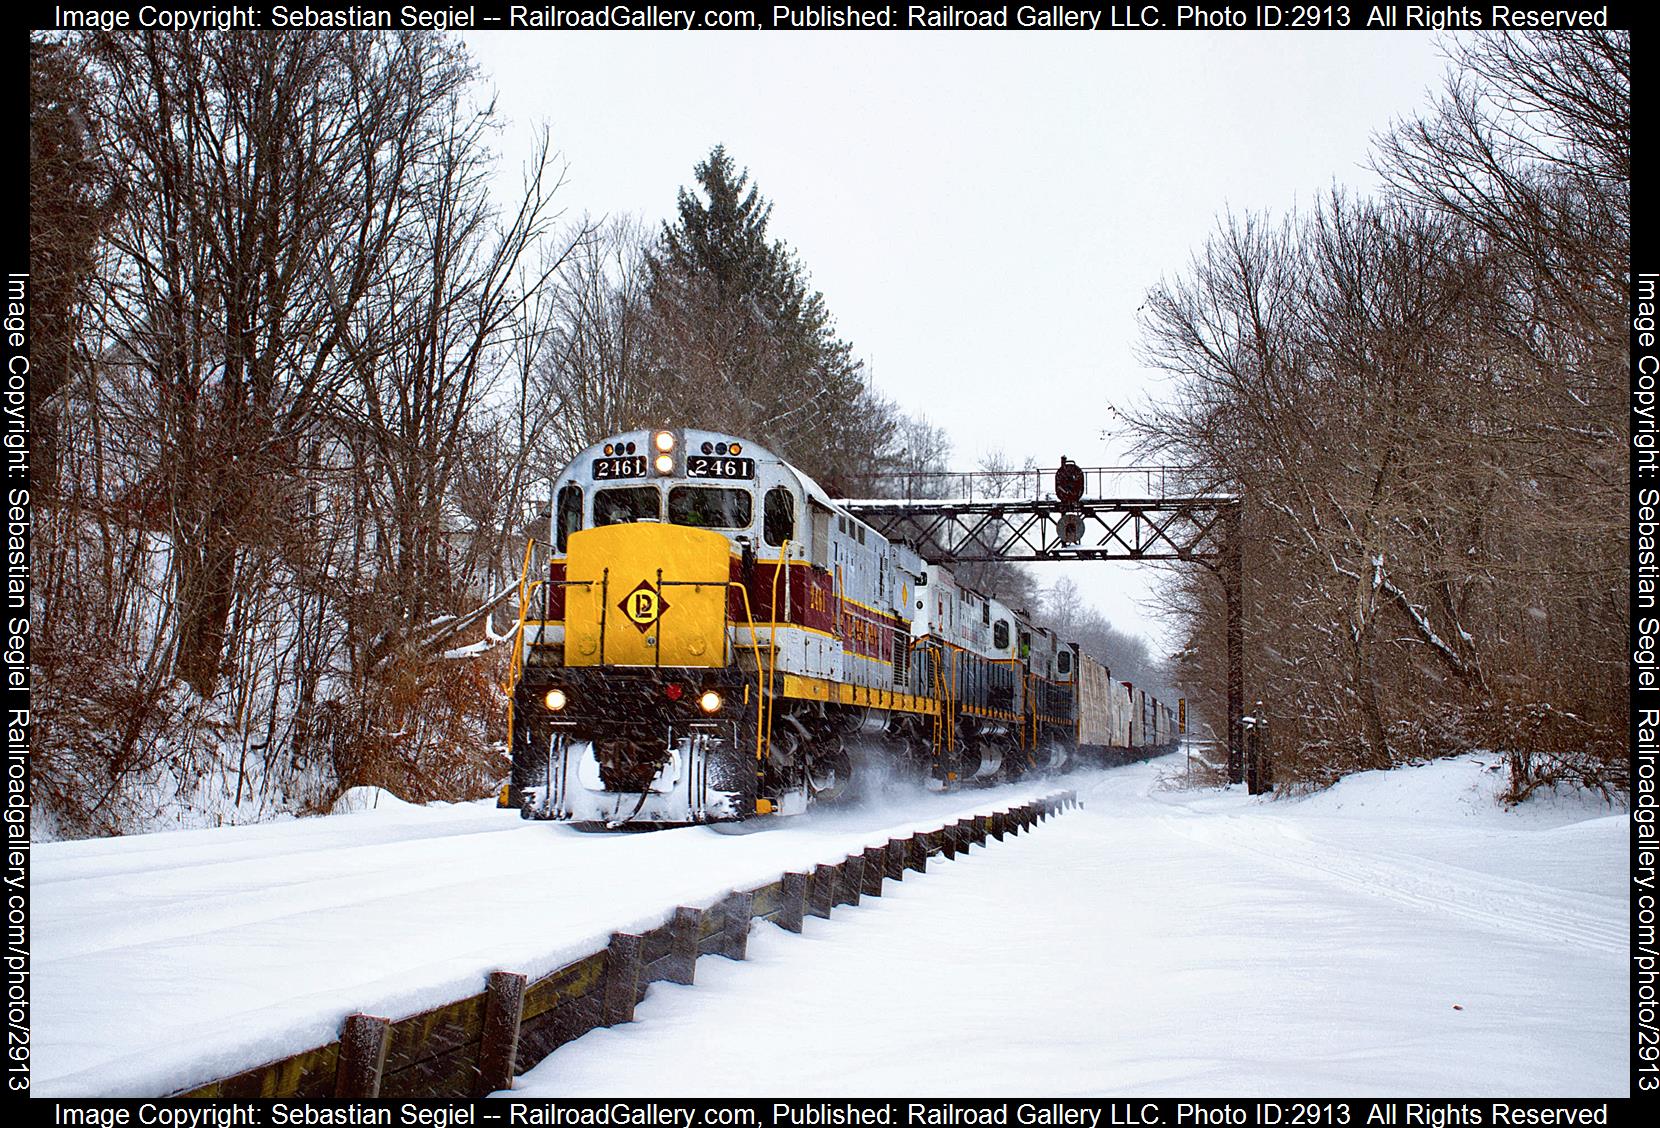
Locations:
1399 934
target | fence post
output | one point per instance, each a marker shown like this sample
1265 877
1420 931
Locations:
876 866
1260 763
1255 726
498 1050
363 1042
795 902
622 979
896 859
683 937
739 907
853 878
823 897
916 850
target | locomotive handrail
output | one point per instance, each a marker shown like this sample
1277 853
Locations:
1031 724
772 640
761 693
944 720
518 644
516 662
657 625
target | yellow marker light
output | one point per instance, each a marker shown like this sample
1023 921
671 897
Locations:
607 448
664 441
665 464
736 448
763 806
709 702
555 699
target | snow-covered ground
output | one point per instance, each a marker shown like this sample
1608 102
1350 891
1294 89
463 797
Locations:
164 961
1398 934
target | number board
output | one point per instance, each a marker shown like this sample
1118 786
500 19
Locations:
716 466
633 466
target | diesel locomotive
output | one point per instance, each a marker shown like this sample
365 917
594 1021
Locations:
712 637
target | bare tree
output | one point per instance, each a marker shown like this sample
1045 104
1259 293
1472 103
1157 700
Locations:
259 169
284 454
438 328
1416 398
596 362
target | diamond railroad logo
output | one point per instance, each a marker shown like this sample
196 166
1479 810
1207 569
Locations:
643 606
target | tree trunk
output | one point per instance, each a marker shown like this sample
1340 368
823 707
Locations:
207 574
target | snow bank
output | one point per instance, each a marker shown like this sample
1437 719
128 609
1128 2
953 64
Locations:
1402 934
242 945
356 799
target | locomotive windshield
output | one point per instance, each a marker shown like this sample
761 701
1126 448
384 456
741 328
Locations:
623 506
710 508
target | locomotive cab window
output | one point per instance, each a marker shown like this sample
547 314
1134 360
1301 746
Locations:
624 506
570 514
1000 634
1063 662
778 516
710 508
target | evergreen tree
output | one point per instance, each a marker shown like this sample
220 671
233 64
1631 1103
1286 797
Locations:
742 341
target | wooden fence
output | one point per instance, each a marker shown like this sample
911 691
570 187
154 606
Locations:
476 1045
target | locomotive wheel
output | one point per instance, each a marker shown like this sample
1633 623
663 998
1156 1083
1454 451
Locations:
830 774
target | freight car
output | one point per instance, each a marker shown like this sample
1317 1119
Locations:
714 637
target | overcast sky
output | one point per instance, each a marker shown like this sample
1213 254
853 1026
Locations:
984 212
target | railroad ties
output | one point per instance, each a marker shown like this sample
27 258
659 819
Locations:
476 1045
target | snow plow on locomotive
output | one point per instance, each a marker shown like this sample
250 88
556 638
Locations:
713 637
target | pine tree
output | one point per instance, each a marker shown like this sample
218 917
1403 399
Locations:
742 341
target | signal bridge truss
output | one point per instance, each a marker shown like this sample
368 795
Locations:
1077 513
1177 528
1074 513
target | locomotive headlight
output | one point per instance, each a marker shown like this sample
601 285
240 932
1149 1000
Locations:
664 441
665 464
709 702
555 700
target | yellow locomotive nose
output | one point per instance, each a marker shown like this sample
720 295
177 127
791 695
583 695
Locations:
646 595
